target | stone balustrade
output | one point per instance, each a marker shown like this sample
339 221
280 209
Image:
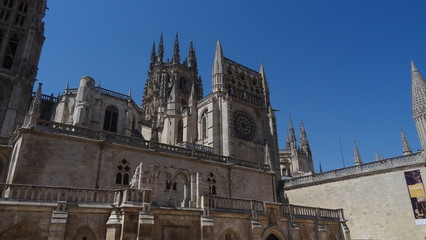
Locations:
357 170
243 205
54 127
33 193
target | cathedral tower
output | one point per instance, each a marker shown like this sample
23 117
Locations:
419 103
21 40
172 88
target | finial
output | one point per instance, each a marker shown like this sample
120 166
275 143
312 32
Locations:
67 86
378 156
176 56
320 167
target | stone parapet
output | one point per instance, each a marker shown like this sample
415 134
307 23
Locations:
366 169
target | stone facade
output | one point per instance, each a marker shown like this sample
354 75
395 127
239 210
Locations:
92 164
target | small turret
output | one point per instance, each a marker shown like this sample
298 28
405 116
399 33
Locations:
406 149
160 54
357 156
176 55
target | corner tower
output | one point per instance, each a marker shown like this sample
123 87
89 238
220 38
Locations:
21 40
419 103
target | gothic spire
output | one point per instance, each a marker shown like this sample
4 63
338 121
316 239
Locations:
219 62
419 102
192 59
406 149
176 56
160 50
357 156
153 56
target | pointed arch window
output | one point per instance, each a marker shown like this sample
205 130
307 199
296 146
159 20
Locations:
6 9
180 132
204 125
111 119
212 184
10 52
21 14
123 173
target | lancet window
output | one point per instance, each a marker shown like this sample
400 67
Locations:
6 9
21 14
111 119
212 184
123 173
10 52
204 125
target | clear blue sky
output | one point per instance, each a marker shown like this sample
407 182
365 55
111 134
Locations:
343 67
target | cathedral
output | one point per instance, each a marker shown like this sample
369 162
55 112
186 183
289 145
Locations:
91 163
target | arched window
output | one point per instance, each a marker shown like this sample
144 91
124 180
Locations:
180 131
167 184
204 125
212 184
123 173
6 9
10 52
111 118
21 14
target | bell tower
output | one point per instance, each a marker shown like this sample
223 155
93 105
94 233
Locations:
21 40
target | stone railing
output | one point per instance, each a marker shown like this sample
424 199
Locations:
20 192
232 204
54 127
4 141
216 203
352 171
49 98
195 146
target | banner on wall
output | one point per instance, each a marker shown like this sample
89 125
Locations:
416 191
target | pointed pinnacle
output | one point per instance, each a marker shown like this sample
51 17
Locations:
406 149
176 56
160 50
357 156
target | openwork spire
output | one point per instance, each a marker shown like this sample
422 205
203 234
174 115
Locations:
153 56
292 136
176 55
304 143
357 156
160 50
192 59
406 149
419 103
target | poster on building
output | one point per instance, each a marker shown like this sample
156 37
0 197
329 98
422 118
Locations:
416 191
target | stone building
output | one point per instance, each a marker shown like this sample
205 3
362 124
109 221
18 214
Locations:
92 164
384 199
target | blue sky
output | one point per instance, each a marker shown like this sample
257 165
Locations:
343 67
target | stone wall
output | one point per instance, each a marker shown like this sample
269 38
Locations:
377 204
